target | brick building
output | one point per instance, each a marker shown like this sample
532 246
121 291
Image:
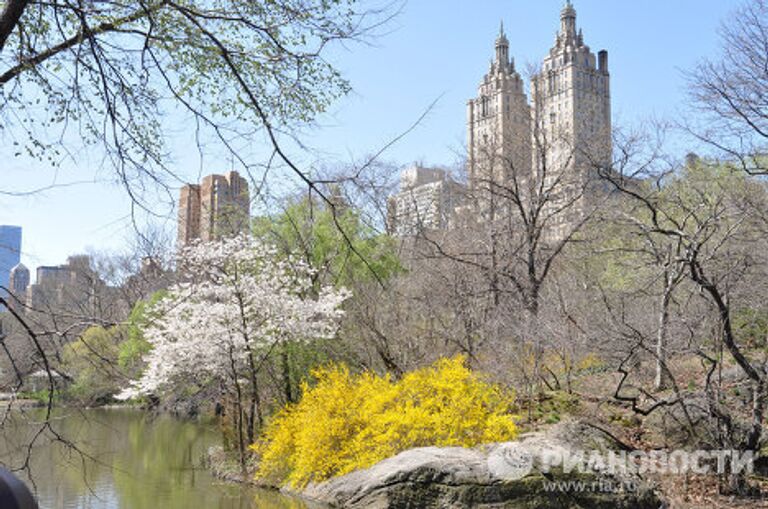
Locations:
219 206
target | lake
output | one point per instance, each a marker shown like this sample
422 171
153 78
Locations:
128 459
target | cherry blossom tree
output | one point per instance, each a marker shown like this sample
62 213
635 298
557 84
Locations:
237 301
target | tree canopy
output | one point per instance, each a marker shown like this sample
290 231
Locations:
336 243
120 75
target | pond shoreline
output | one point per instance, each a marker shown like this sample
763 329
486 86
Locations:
225 467
131 459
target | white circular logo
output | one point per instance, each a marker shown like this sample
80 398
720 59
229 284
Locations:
510 462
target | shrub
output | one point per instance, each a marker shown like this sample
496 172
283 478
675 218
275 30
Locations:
347 422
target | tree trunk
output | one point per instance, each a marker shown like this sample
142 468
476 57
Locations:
255 418
758 414
661 381
286 361
239 426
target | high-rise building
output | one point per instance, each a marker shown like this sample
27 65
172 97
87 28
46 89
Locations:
572 120
217 207
10 251
19 282
559 138
189 214
498 127
73 286
425 201
224 206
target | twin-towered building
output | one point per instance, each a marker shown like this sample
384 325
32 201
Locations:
551 143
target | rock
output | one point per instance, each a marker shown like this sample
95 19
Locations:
505 475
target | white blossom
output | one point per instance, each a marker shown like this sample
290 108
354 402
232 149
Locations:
237 300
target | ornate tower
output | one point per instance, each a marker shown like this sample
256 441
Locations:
571 113
498 125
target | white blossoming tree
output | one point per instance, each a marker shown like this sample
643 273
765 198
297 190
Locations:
237 302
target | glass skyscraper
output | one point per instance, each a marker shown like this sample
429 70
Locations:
10 251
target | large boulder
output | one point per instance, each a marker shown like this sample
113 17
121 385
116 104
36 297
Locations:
505 475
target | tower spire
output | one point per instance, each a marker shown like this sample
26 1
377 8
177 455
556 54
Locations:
568 21
502 48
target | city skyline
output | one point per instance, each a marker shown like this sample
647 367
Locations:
103 221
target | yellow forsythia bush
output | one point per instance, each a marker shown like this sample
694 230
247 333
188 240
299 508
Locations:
346 422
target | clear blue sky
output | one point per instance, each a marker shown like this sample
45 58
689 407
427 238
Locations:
434 49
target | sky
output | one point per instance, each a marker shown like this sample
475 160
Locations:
434 51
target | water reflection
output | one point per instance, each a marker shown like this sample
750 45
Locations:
131 460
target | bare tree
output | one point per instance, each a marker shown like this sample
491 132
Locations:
731 92
694 220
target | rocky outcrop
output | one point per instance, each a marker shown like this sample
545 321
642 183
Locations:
505 475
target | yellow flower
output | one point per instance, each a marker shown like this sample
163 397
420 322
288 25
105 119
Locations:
347 422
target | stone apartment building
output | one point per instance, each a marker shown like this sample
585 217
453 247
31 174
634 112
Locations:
553 142
498 127
571 111
218 206
63 301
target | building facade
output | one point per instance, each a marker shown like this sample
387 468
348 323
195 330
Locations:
498 128
425 201
217 207
571 118
189 214
74 287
